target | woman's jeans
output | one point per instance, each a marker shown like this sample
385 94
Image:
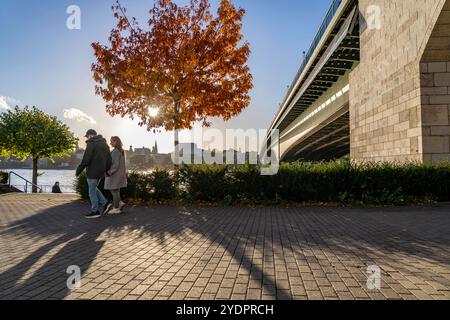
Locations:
116 198
98 200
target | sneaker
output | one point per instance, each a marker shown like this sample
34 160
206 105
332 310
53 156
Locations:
115 211
108 209
122 205
101 209
93 215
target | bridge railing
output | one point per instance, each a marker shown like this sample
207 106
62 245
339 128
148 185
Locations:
325 24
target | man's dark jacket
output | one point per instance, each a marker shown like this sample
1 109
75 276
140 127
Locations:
97 158
56 189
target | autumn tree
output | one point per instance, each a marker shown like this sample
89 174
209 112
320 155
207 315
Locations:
188 64
31 133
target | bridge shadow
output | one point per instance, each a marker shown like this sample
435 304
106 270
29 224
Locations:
257 240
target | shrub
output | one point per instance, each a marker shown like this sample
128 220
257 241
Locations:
207 183
3 177
133 191
157 185
338 182
162 185
81 187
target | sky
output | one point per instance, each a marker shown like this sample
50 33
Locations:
47 65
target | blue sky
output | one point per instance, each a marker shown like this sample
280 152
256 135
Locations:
45 64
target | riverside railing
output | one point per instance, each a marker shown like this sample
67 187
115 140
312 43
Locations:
27 183
66 189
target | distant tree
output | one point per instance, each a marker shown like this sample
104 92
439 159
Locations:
3 153
32 133
189 65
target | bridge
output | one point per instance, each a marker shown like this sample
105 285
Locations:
360 90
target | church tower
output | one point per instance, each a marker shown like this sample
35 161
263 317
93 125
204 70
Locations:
155 148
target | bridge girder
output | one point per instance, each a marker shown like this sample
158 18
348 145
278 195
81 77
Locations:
339 54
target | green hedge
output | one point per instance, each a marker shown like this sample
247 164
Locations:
340 181
158 185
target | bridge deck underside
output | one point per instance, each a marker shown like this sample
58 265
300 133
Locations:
330 142
340 62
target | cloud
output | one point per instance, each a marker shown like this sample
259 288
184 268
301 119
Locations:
78 115
3 103
7 102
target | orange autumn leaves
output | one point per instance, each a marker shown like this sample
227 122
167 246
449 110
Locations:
189 64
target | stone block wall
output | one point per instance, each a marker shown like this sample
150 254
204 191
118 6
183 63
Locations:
395 100
435 85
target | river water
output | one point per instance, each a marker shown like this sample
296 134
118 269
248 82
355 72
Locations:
48 178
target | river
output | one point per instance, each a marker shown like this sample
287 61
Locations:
48 178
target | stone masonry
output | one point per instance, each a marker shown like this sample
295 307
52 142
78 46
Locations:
399 93
435 83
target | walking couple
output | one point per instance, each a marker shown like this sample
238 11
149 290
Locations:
100 163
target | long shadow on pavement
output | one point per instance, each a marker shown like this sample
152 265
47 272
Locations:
260 241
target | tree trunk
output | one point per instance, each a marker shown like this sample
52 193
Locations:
176 140
176 143
35 175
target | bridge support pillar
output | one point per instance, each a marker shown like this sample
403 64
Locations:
400 91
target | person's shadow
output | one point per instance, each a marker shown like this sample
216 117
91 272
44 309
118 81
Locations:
76 244
75 240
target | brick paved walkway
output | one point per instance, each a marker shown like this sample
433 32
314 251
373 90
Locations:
221 253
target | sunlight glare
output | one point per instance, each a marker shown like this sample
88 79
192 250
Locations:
153 112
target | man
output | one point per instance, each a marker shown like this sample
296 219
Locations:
56 188
96 161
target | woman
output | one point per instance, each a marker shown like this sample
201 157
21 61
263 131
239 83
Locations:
116 177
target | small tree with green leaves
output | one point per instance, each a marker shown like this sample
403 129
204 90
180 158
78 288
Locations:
31 133
3 153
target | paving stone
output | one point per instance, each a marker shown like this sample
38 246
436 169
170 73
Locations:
185 286
112 289
178 296
254 294
139 290
119 294
195 292
303 253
